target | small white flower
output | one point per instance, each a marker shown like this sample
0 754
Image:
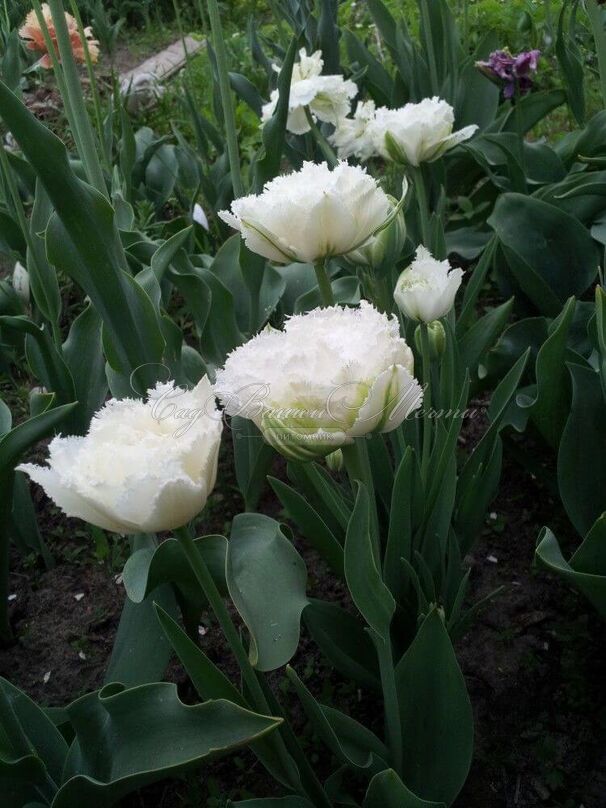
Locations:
353 136
46 677
199 216
21 283
79 596
330 376
427 289
143 467
417 133
328 97
311 214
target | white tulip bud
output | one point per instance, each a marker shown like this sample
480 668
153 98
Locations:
426 290
143 467
199 216
311 214
330 376
382 251
21 283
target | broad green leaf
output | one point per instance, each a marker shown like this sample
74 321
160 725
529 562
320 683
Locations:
126 739
581 459
482 335
350 742
273 802
386 790
211 683
42 277
368 590
266 578
19 439
550 409
310 524
252 460
584 576
342 639
437 719
550 254
83 355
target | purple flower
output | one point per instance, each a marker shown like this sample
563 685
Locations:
511 73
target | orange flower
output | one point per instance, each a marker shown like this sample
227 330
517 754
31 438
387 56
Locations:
32 33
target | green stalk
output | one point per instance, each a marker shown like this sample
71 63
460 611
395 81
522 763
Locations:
232 636
89 154
393 725
325 147
324 285
6 504
422 203
594 12
357 463
229 115
427 425
93 86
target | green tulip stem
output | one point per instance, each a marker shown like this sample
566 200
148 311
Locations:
324 285
325 147
427 426
229 115
594 12
393 724
232 636
422 203
357 464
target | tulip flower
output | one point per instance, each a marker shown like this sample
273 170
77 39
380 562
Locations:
511 73
21 283
328 98
311 214
144 466
31 32
426 290
417 133
330 376
353 136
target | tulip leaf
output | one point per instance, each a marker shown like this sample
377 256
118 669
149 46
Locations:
551 255
24 435
125 739
587 568
211 683
252 459
342 639
151 567
386 790
266 578
581 459
368 590
82 240
437 719
310 524
483 334
42 277
350 742
83 354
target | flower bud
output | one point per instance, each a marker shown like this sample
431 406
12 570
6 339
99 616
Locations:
21 283
437 339
382 251
334 460
427 289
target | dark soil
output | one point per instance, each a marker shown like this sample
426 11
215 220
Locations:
534 661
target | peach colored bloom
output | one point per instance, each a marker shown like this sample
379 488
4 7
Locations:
33 35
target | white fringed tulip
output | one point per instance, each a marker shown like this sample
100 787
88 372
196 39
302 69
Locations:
417 133
426 290
353 136
328 97
330 376
199 216
311 214
21 283
143 466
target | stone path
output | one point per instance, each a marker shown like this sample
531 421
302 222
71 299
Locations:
165 63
